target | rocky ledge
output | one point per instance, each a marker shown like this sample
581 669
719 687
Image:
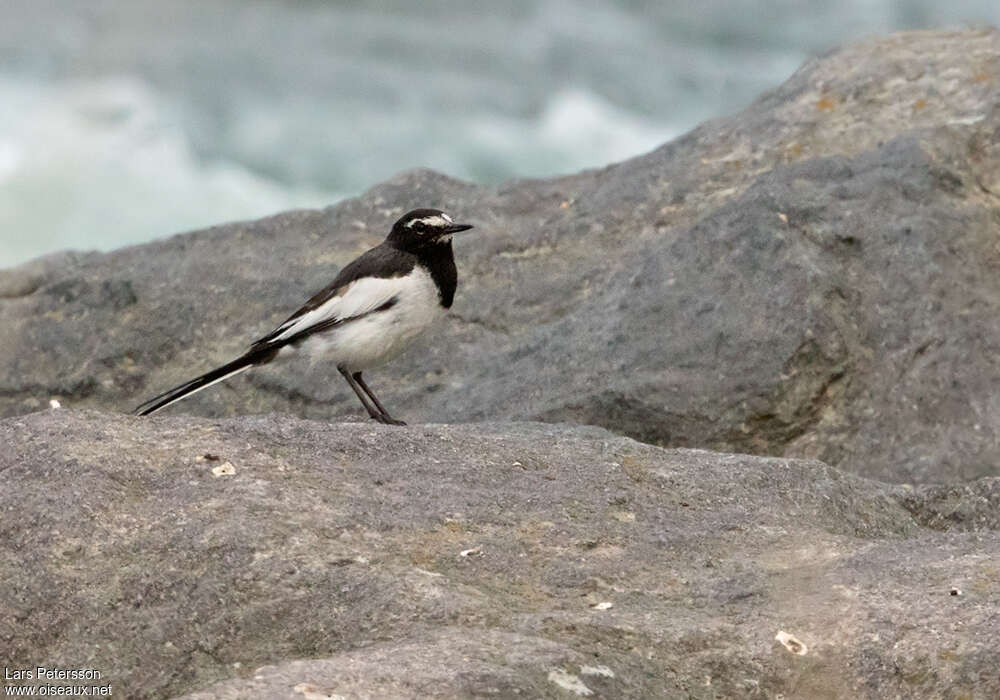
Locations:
275 557
814 278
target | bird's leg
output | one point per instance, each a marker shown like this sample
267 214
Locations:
386 418
361 395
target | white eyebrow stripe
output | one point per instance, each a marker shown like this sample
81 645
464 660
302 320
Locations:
438 220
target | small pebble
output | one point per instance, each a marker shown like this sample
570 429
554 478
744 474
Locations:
792 643
224 469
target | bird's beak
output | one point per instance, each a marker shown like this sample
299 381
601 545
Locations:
457 228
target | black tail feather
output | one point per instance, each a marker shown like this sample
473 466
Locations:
184 390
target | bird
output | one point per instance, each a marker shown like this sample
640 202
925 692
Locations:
376 306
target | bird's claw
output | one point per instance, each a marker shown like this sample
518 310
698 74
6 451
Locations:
388 420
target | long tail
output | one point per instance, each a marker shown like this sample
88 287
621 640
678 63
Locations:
240 364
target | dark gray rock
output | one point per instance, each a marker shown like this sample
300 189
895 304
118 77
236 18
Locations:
332 554
815 276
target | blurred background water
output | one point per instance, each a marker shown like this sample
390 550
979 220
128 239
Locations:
124 120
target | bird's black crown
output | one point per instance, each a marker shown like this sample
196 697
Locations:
421 228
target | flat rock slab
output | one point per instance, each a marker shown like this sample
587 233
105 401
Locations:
275 557
816 276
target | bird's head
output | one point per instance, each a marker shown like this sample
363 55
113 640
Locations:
422 228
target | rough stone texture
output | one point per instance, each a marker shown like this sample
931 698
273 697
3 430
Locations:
332 554
816 276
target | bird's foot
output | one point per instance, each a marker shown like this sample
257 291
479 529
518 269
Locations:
388 420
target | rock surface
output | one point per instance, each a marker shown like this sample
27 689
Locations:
179 555
816 276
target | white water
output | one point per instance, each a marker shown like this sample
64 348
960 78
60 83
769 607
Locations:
124 120
106 163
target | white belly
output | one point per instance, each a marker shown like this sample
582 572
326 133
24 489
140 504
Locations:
382 335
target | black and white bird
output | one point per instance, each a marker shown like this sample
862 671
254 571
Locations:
375 307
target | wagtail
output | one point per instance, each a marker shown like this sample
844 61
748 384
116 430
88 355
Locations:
371 312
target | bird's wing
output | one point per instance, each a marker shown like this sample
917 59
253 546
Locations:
368 284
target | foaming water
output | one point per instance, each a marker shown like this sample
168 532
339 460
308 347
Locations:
124 120
108 162
105 163
575 126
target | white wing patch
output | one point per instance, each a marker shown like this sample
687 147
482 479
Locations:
357 299
376 338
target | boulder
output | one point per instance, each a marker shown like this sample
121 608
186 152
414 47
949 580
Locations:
815 276
276 557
